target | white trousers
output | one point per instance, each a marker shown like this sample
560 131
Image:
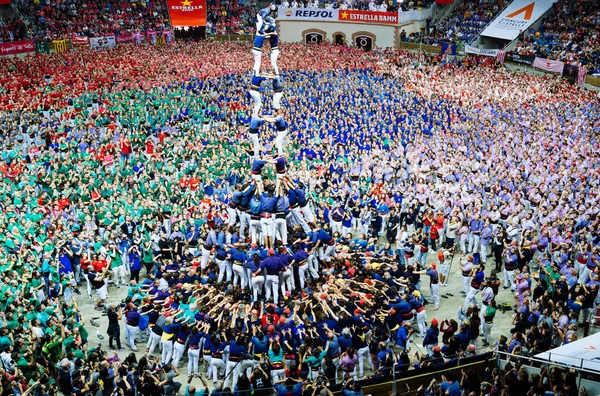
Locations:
225 270
167 351
193 358
239 276
178 350
153 342
258 282
272 287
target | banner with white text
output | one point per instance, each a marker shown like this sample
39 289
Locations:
517 17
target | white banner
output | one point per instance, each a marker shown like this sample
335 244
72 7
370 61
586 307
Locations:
584 353
415 15
549 65
307 14
517 17
481 51
103 42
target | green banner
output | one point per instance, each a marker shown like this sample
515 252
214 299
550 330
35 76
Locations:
42 47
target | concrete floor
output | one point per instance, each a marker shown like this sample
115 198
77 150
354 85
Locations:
448 310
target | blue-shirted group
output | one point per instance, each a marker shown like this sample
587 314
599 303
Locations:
289 251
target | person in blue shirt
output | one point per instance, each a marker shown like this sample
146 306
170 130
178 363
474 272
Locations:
300 259
450 386
255 216
195 342
403 335
322 238
282 129
383 359
256 122
272 265
132 327
237 354
192 390
434 281
352 388
254 92
431 337
265 28
209 242
238 258
268 201
277 93
281 211
256 278
475 286
475 227
510 264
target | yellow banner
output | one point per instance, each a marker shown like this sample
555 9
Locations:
60 46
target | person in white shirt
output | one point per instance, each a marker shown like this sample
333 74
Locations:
285 4
294 4
372 6
383 7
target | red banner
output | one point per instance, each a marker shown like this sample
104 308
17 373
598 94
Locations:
18 47
355 16
443 2
187 12
80 41
7 2
126 39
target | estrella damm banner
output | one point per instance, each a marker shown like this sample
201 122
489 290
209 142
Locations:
187 12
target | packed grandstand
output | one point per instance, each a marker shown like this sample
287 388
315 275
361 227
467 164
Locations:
197 216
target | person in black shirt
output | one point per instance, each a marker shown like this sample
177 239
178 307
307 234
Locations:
114 330
261 383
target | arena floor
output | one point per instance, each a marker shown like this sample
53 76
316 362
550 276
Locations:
448 310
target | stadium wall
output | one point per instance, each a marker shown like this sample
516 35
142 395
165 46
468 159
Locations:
383 36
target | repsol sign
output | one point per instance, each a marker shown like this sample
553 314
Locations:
312 14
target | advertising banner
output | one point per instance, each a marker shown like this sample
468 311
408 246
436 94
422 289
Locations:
354 16
526 60
103 42
307 14
517 17
481 51
18 47
187 12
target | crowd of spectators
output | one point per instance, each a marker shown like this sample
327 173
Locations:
365 5
228 17
64 19
13 29
465 23
130 167
568 34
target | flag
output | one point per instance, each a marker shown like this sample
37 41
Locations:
187 12
448 49
80 41
500 56
581 75
42 47
549 65
60 46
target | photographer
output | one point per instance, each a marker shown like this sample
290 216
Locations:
191 390
352 388
114 329
261 382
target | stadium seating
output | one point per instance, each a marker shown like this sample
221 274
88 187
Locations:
80 17
226 17
465 23
568 34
